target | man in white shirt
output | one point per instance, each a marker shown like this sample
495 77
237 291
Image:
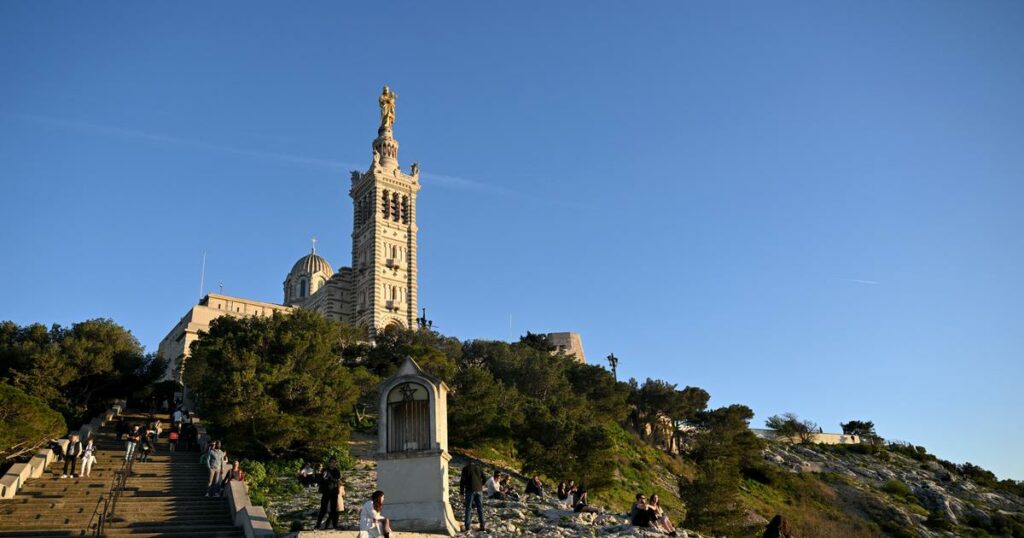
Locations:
493 487
371 523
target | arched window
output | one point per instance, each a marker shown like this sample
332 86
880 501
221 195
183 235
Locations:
405 210
386 204
302 288
395 207
408 418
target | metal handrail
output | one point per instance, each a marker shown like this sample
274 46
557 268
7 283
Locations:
109 501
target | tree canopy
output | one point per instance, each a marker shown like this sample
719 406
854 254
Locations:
789 425
275 386
76 370
28 423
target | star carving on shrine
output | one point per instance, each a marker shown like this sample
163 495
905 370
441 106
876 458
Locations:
408 391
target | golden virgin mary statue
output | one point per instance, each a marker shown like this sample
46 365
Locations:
387 108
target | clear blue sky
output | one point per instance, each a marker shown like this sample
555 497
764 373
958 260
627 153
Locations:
811 207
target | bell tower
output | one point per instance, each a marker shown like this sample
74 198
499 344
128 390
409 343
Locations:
384 233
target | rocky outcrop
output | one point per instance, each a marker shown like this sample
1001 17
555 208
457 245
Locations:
934 491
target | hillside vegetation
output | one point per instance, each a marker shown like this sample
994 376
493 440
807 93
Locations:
283 388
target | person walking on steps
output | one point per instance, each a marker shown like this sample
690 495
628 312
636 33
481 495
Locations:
215 464
471 486
88 456
332 493
71 455
134 437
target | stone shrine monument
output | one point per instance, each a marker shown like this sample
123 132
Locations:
412 452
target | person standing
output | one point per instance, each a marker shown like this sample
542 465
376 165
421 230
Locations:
331 492
134 437
471 486
371 523
172 439
88 456
71 455
215 464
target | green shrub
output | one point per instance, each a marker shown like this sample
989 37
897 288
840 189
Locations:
897 489
255 473
342 454
938 521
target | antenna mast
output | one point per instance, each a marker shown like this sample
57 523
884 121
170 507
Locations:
202 275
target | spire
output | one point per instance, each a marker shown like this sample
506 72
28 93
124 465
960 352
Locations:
314 244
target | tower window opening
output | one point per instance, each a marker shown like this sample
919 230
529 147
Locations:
396 208
405 210
386 204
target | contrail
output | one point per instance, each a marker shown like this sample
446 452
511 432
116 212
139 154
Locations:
441 180
858 281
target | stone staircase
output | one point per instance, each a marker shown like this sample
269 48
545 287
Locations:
163 497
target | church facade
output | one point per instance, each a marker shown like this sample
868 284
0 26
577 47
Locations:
377 291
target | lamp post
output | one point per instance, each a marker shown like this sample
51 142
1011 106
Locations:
423 322
613 361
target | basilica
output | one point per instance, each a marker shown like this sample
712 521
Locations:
377 291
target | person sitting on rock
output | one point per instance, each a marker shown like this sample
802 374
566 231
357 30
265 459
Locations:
371 523
493 487
506 488
778 527
640 513
659 519
307 477
534 487
560 492
580 504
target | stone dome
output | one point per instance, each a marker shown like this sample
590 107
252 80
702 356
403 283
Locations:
307 276
310 264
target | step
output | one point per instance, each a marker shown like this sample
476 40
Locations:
118 519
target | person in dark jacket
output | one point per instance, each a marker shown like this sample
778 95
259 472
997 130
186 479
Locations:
471 485
640 514
534 486
778 527
330 491
71 454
